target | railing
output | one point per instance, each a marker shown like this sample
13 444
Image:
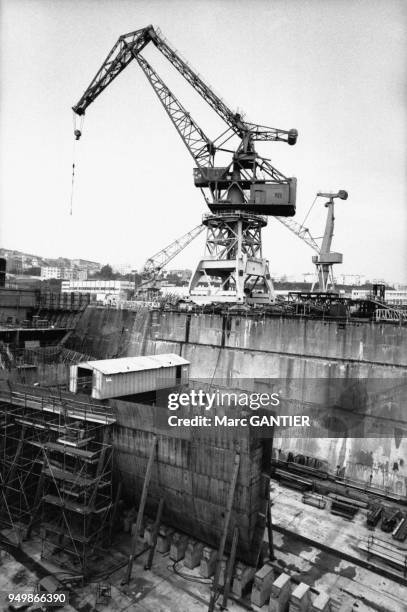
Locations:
242 214
59 405
390 314
12 356
386 552
136 304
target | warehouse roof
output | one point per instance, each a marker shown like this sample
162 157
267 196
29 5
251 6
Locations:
122 365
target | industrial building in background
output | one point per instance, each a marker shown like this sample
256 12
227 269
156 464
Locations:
104 291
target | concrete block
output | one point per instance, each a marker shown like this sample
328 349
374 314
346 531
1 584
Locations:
164 539
208 562
222 572
148 533
178 546
263 581
133 529
128 520
321 604
193 553
300 600
243 575
142 527
280 594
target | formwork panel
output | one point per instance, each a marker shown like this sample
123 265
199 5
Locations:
193 473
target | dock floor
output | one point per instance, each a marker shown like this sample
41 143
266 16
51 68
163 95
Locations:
349 585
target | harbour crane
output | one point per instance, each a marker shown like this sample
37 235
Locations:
239 194
156 263
324 280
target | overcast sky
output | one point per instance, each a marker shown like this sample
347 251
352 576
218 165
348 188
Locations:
335 70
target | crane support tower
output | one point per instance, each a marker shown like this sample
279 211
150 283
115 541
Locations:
240 191
324 280
325 260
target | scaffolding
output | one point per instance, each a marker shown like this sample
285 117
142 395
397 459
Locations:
56 474
20 467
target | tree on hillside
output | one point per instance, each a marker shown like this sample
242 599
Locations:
33 271
106 273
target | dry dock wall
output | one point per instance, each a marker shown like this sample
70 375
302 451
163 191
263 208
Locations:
234 347
107 332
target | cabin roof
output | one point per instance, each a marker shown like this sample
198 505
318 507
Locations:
123 365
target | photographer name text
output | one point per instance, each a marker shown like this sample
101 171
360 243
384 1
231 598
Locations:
219 399
253 421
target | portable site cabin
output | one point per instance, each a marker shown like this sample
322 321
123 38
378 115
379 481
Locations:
108 378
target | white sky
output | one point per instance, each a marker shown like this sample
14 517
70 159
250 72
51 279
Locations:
335 70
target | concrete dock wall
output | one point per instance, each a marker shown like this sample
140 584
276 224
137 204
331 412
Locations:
364 343
235 348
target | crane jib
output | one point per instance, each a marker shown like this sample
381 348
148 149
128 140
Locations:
248 182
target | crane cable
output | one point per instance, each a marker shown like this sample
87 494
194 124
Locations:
309 210
77 134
